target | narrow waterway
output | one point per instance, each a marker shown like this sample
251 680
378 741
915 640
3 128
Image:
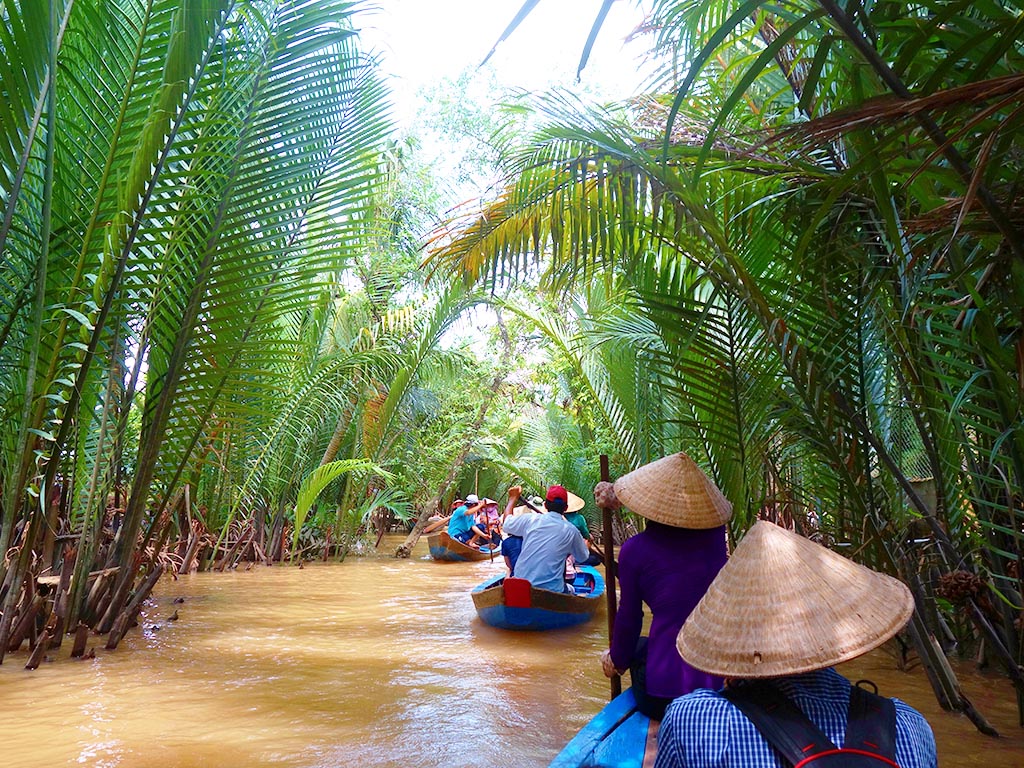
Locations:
372 662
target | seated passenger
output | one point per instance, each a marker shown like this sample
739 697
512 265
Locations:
463 519
489 522
511 545
479 529
574 516
548 539
774 621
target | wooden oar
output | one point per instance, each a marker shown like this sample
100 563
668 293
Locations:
609 569
436 524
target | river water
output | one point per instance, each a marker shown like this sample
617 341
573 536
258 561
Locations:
371 662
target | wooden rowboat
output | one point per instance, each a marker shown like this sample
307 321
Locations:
511 603
617 736
444 547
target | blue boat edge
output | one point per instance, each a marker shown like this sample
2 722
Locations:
615 736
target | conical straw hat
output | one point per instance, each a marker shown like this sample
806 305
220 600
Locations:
674 491
783 605
575 502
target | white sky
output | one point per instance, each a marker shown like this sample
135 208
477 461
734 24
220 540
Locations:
422 41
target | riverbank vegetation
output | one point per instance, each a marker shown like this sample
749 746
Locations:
798 258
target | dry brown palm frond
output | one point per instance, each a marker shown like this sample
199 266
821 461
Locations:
942 217
651 116
892 109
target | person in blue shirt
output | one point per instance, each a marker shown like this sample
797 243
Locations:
462 524
780 614
548 539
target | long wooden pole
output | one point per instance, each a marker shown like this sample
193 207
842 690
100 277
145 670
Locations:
608 540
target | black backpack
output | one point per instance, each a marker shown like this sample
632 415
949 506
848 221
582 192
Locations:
870 728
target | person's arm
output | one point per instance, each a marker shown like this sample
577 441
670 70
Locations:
669 754
513 499
915 742
699 729
580 551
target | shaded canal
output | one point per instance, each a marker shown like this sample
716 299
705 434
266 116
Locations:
373 662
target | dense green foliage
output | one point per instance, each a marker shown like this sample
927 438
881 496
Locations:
811 248
184 184
799 259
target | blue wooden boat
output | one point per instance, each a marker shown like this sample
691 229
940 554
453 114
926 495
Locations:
617 737
444 547
511 603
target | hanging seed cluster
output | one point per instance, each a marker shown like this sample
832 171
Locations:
604 496
958 586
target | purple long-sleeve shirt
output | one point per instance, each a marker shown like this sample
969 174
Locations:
670 570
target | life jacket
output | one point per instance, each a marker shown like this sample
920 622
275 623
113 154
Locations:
870 728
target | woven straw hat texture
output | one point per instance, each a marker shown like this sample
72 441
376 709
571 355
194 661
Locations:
575 502
783 605
674 491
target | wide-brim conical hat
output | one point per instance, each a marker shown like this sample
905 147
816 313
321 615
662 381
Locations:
674 491
783 605
575 502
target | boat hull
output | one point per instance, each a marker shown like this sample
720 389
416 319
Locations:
444 547
615 737
516 604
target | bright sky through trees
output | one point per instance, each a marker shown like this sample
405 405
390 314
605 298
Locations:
423 41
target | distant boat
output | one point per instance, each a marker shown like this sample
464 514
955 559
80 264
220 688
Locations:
444 547
615 738
511 603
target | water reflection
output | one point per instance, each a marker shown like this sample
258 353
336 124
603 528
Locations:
373 662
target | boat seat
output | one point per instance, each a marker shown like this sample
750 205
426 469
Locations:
517 592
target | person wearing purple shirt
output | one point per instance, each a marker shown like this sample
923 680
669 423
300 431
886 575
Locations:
668 566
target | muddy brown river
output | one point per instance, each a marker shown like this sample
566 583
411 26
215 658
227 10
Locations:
370 662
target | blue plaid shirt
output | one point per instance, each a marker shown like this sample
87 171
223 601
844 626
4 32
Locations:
703 730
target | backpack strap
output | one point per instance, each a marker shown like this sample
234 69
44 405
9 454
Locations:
780 722
870 727
871 724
